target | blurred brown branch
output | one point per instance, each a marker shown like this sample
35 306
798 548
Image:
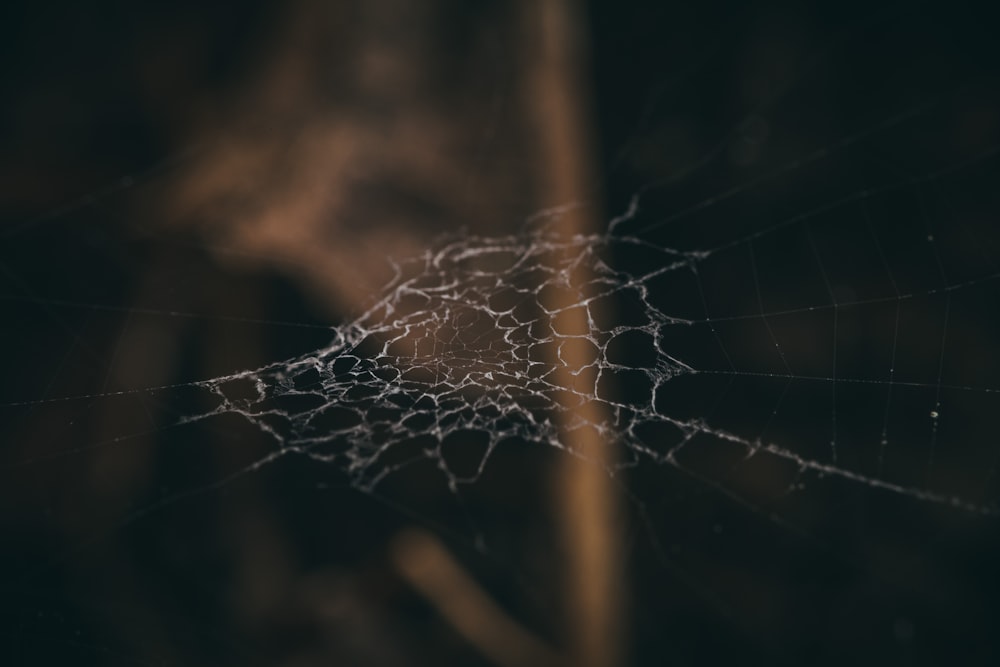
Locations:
587 504
431 569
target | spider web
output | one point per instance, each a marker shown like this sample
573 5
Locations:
711 361
462 348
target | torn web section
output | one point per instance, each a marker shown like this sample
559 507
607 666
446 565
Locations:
460 346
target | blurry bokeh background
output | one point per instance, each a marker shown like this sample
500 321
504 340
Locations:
190 189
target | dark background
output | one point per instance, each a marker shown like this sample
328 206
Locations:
192 189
